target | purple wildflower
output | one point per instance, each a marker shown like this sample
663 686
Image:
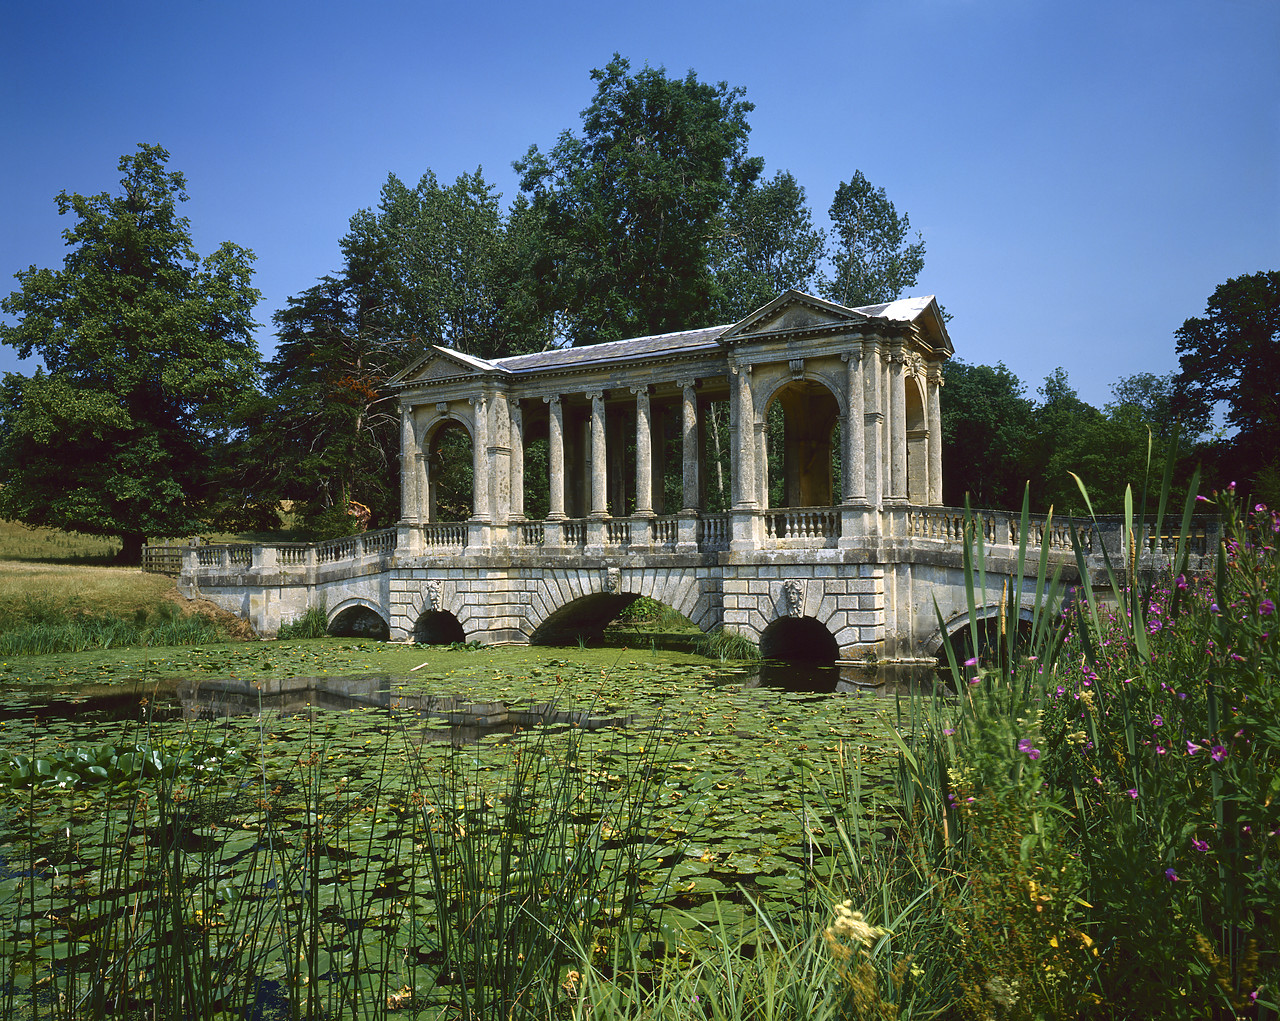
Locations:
1157 721
1192 747
1025 746
1200 845
1218 753
1266 607
1133 793
1171 875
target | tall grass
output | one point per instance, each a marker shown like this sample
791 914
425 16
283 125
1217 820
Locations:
39 627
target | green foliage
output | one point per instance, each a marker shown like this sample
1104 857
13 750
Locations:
1231 355
728 645
39 627
145 350
873 261
985 424
312 624
128 765
632 207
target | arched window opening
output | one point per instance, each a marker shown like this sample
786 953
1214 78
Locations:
917 445
802 446
450 469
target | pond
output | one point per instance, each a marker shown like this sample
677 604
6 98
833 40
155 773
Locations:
358 808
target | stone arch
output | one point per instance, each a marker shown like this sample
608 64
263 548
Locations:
595 591
813 405
954 627
799 639
435 434
356 617
438 627
918 440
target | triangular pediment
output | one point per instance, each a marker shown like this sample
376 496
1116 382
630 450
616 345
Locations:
791 313
442 363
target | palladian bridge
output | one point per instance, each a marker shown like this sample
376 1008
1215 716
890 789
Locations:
647 462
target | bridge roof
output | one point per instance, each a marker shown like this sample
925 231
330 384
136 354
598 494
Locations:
922 311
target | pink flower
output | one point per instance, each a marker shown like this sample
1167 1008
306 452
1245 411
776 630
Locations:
1218 753
1199 845
1158 721
1266 607
1133 793
1192 747
1171 875
971 662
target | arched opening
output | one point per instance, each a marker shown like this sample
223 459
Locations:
537 485
799 640
917 445
449 471
438 627
582 620
360 622
802 446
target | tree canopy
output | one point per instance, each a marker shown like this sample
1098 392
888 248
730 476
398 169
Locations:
873 260
1231 356
146 349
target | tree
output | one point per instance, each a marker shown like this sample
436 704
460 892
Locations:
633 206
1231 355
324 431
769 245
145 350
986 424
872 261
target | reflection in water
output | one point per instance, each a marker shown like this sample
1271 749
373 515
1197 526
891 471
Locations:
848 678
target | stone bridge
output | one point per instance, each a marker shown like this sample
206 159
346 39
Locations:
647 464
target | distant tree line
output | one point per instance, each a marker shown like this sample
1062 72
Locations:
154 414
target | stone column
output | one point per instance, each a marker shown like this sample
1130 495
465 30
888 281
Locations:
744 448
555 457
897 424
934 398
854 468
408 467
689 433
517 460
644 452
499 462
874 420
479 459
599 470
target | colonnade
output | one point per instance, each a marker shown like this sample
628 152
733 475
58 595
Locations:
889 390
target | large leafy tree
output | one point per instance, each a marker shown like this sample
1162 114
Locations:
1231 356
873 260
633 207
146 349
769 245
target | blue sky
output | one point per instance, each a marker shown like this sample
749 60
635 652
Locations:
1084 174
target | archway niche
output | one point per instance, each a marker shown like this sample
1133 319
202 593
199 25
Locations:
450 467
799 640
991 639
803 445
917 445
438 627
359 622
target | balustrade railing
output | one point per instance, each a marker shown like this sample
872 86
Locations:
617 532
444 534
574 531
666 530
714 531
531 533
802 524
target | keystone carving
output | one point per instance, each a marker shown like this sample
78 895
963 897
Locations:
613 581
793 597
432 601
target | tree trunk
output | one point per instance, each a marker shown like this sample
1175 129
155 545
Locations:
131 544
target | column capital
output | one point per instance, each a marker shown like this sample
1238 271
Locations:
686 384
551 399
595 395
852 356
640 391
